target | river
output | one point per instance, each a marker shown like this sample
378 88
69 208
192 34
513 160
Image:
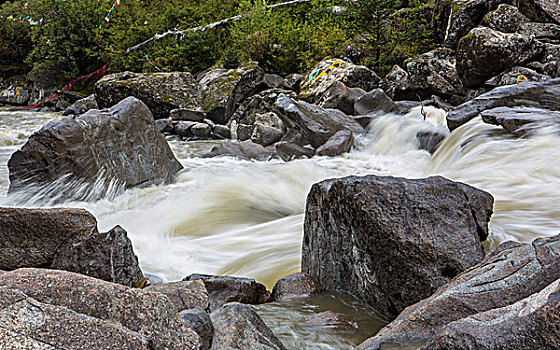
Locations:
245 218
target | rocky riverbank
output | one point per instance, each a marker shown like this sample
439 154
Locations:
412 249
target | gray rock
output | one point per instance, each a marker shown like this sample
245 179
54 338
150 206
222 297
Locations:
512 272
529 324
237 326
464 16
520 120
294 136
341 142
319 79
184 295
26 323
289 151
161 92
189 115
484 52
294 285
222 131
316 124
165 125
15 94
329 320
82 106
272 81
543 95
201 130
340 97
516 75
395 82
369 236
506 18
292 82
540 10
102 152
148 313
223 90
260 108
374 101
549 31
243 150
225 289
265 135
199 321
184 129
66 239
429 141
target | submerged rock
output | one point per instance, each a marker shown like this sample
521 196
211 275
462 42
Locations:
26 323
66 239
161 92
225 289
545 95
484 53
391 241
243 150
328 319
512 272
100 152
148 313
237 326
529 324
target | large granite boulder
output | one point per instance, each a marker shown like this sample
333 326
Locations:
238 326
223 90
520 120
374 101
66 239
506 18
161 92
316 124
540 10
529 324
341 97
315 83
484 52
26 323
391 241
100 152
466 15
226 289
512 272
184 295
148 313
543 95
15 94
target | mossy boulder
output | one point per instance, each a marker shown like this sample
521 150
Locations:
161 92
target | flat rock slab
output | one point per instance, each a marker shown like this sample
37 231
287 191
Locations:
184 294
26 323
520 120
545 95
529 324
96 154
145 312
392 241
512 272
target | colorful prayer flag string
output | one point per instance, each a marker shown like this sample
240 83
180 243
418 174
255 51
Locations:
28 19
109 12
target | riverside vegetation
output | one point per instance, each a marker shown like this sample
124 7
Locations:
214 137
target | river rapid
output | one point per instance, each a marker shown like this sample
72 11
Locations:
245 218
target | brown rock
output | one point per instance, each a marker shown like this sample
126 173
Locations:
294 285
185 294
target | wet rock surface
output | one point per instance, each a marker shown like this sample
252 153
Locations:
237 326
294 285
161 92
512 272
528 94
520 120
290 150
316 124
360 233
66 239
100 150
243 150
341 142
226 289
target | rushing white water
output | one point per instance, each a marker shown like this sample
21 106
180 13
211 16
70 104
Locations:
228 216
